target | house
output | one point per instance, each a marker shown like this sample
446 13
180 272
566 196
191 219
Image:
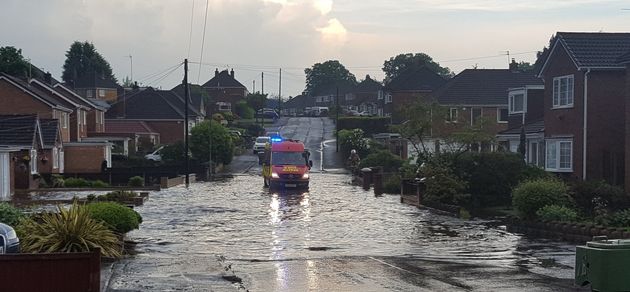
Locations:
198 96
162 110
53 155
296 106
20 144
367 97
93 85
326 95
224 90
36 98
478 99
410 86
95 116
144 138
584 102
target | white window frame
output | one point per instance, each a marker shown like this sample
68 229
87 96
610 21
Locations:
88 93
84 117
101 93
55 157
452 118
558 94
553 146
511 108
34 161
499 121
388 98
380 94
62 162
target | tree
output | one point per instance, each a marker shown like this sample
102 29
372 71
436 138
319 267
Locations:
402 62
257 100
210 135
525 66
12 62
541 56
329 72
82 59
417 128
243 110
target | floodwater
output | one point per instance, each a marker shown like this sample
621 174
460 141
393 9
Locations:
239 220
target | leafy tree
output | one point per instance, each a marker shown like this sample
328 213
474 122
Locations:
173 153
83 59
257 100
542 55
419 118
243 110
211 135
525 66
12 62
402 62
329 72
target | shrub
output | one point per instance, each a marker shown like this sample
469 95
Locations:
353 139
10 215
617 219
369 125
392 185
490 176
117 196
76 183
69 230
57 181
173 153
99 184
118 218
586 194
136 181
443 186
530 196
556 213
244 110
385 159
211 135
532 172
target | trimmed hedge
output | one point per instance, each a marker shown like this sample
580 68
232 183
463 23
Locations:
530 196
136 181
369 125
116 217
556 213
383 158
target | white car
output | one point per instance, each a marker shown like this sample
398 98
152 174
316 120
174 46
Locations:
259 145
155 155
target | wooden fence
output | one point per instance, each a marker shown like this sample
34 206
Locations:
68 272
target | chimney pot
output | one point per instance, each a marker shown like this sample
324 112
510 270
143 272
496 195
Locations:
216 72
513 66
232 72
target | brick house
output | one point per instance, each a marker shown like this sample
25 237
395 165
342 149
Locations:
224 90
198 96
410 86
584 106
20 145
53 155
478 99
367 97
161 110
95 118
297 105
143 137
93 85
326 95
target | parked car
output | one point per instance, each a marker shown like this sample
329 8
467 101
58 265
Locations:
364 114
9 242
267 114
155 155
259 145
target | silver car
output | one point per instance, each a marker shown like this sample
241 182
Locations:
259 145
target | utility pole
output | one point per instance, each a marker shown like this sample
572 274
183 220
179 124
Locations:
253 86
337 120
186 96
280 89
131 62
262 82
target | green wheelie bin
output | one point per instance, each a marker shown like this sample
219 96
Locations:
605 264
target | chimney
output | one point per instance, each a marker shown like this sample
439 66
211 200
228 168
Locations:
232 72
367 77
513 66
216 72
48 78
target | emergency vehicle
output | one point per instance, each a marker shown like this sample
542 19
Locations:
286 164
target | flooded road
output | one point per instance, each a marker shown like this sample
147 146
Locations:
285 241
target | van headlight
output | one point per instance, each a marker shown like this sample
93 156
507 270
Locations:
274 175
305 176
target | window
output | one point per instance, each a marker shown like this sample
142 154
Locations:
64 120
33 161
88 93
380 94
475 116
563 91
55 158
101 93
388 98
516 103
559 155
502 115
452 115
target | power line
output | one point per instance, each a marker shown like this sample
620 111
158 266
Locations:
203 38
192 16
152 75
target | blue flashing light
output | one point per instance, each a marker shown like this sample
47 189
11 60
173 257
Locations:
276 139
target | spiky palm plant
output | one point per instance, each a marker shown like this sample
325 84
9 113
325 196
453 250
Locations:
69 230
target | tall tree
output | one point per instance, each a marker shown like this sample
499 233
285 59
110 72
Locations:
329 72
82 59
542 55
257 100
211 137
400 63
12 62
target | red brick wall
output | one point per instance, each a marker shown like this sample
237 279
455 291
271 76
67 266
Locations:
565 122
16 101
48 166
84 159
170 131
488 114
92 122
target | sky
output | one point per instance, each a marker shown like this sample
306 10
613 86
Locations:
257 37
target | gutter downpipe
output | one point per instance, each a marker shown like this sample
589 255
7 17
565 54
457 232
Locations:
584 128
